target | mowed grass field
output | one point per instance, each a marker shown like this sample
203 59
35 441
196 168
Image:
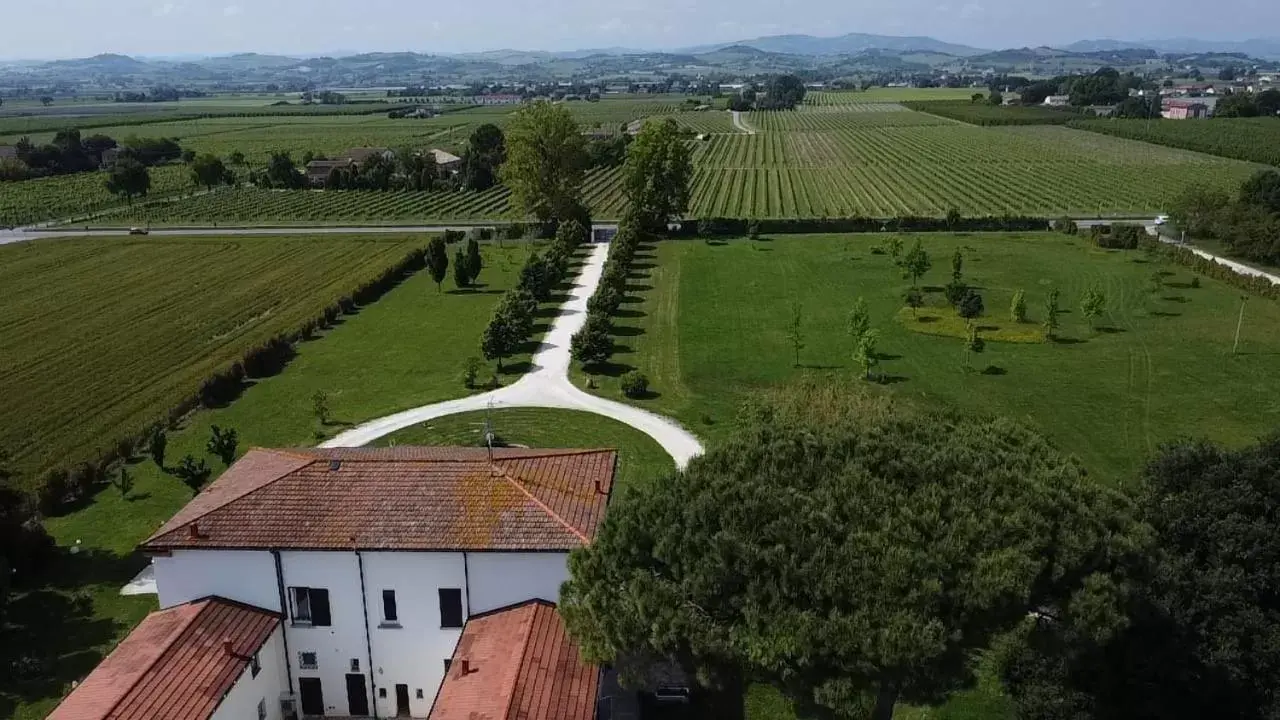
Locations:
640 458
407 349
708 323
104 335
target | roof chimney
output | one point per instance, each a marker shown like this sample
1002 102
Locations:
466 666
193 531
600 488
226 647
335 465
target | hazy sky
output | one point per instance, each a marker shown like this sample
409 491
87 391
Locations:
76 28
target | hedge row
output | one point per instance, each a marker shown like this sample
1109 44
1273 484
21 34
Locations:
736 227
61 488
1251 283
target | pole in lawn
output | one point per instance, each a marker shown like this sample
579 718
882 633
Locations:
1244 300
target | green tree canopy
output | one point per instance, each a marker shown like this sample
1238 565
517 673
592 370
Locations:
129 179
657 175
851 551
1202 634
209 171
485 153
546 161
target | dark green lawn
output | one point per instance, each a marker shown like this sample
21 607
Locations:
707 321
640 459
403 351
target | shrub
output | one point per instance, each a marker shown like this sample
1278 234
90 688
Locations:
471 372
222 444
635 384
1195 282
1018 307
193 473
753 229
1066 226
156 445
970 305
955 292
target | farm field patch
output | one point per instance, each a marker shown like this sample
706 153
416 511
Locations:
1252 139
103 336
708 323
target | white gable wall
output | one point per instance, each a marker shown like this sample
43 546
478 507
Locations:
241 702
245 576
499 580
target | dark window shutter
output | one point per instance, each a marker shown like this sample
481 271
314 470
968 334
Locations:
320 616
389 612
450 608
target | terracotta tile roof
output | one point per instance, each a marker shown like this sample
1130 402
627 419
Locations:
174 665
521 665
403 498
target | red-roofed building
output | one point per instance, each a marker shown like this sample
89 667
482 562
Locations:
211 658
377 558
517 664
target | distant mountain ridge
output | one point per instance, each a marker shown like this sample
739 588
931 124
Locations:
849 44
1268 48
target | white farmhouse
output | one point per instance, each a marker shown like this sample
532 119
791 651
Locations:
366 582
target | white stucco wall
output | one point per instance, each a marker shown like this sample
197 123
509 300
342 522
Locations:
337 645
414 653
246 576
502 579
241 702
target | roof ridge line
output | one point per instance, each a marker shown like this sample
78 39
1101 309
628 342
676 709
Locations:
557 452
545 508
204 605
524 649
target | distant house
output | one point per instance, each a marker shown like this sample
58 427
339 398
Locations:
446 161
359 155
1186 109
318 170
499 99
633 127
1102 110
109 156
8 152
1058 100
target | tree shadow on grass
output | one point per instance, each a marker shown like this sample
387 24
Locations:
559 298
638 288
1163 314
517 368
643 265
887 356
546 311
135 497
933 289
1178 285
609 369
637 276
716 243
540 329
1067 341
1176 299
994 370
646 395
1110 330
624 314
632 300
472 291
50 632
626 331
807 366
887 379
619 349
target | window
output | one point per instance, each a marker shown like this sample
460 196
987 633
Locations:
255 664
450 608
447 663
390 615
310 606
355 665
262 709
419 693
382 692
308 660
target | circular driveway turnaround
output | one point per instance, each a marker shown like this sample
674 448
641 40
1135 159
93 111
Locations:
545 386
